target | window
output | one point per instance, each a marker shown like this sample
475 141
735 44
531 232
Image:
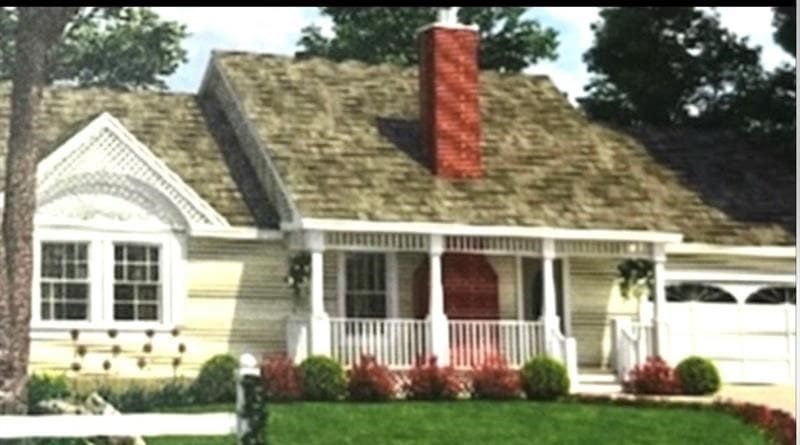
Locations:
137 285
64 281
773 295
99 280
701 293
365 295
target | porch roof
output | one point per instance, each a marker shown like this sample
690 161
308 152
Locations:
343 138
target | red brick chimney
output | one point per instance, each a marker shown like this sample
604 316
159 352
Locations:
448 98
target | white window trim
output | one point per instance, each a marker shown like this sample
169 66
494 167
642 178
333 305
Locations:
101 273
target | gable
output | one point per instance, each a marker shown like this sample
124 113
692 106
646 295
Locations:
104 174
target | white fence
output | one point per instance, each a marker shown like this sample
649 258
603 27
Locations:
130 425
749 343
396 343
474 341
633 343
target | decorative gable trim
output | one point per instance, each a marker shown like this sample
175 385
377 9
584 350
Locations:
104 158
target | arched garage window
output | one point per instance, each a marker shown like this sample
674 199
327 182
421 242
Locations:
773 295
702 293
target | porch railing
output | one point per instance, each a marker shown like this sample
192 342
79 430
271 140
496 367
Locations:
396 343
474 341
633 343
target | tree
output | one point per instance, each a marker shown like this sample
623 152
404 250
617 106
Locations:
37 33
665 66
785 22
508 42
98 39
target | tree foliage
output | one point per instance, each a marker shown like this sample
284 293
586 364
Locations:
120 47
785 23
508 41
678 66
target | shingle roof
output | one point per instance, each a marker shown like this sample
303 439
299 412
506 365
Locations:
193 144
344 138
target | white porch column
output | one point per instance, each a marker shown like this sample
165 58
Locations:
320 332
659 301
549 312
440 341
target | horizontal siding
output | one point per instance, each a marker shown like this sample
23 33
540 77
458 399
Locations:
595 299
237 302
731 263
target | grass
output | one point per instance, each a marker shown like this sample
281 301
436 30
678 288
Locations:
474 422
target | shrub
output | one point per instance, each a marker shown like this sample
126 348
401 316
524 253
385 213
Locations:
281 382
779 425
653 377
698 376
173 393
134 398
216 382
544 378
369 381
44 387
495 380
322 378
427 381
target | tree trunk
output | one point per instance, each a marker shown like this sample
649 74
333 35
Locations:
39 29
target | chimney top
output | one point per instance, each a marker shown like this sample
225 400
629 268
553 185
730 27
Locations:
448 18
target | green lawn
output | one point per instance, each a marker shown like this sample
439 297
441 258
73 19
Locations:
473 422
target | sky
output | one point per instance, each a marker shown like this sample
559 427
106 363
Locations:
277 30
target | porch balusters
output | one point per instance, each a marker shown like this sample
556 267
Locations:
549 313
439 341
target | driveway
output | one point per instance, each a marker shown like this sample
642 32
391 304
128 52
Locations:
775 396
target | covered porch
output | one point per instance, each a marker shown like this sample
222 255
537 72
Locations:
463 294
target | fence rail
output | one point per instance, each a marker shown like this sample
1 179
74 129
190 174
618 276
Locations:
138 425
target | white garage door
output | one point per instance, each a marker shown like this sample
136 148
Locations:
747 330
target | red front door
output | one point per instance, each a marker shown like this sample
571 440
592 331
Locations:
470 288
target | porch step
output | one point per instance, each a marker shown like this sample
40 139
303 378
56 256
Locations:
597 381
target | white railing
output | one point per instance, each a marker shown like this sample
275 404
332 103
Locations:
565 349
633 343
474 341
134 425
395 342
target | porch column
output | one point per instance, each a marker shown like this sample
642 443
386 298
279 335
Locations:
320 332
549 312
440 341
659 301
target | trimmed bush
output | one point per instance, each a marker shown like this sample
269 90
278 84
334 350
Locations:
216 382
44 387
544 378
280 378
371 382
777 424
322 378
427 381
653 377
494 380
698 376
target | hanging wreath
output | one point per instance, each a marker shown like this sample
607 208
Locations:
636 278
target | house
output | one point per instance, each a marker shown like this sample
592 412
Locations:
443 210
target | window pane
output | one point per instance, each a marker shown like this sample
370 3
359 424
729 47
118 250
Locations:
123 312
77 291
148 312
154 273
118 273
123 292
137 273
119 253
45 311
135 253
75 311
148 293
